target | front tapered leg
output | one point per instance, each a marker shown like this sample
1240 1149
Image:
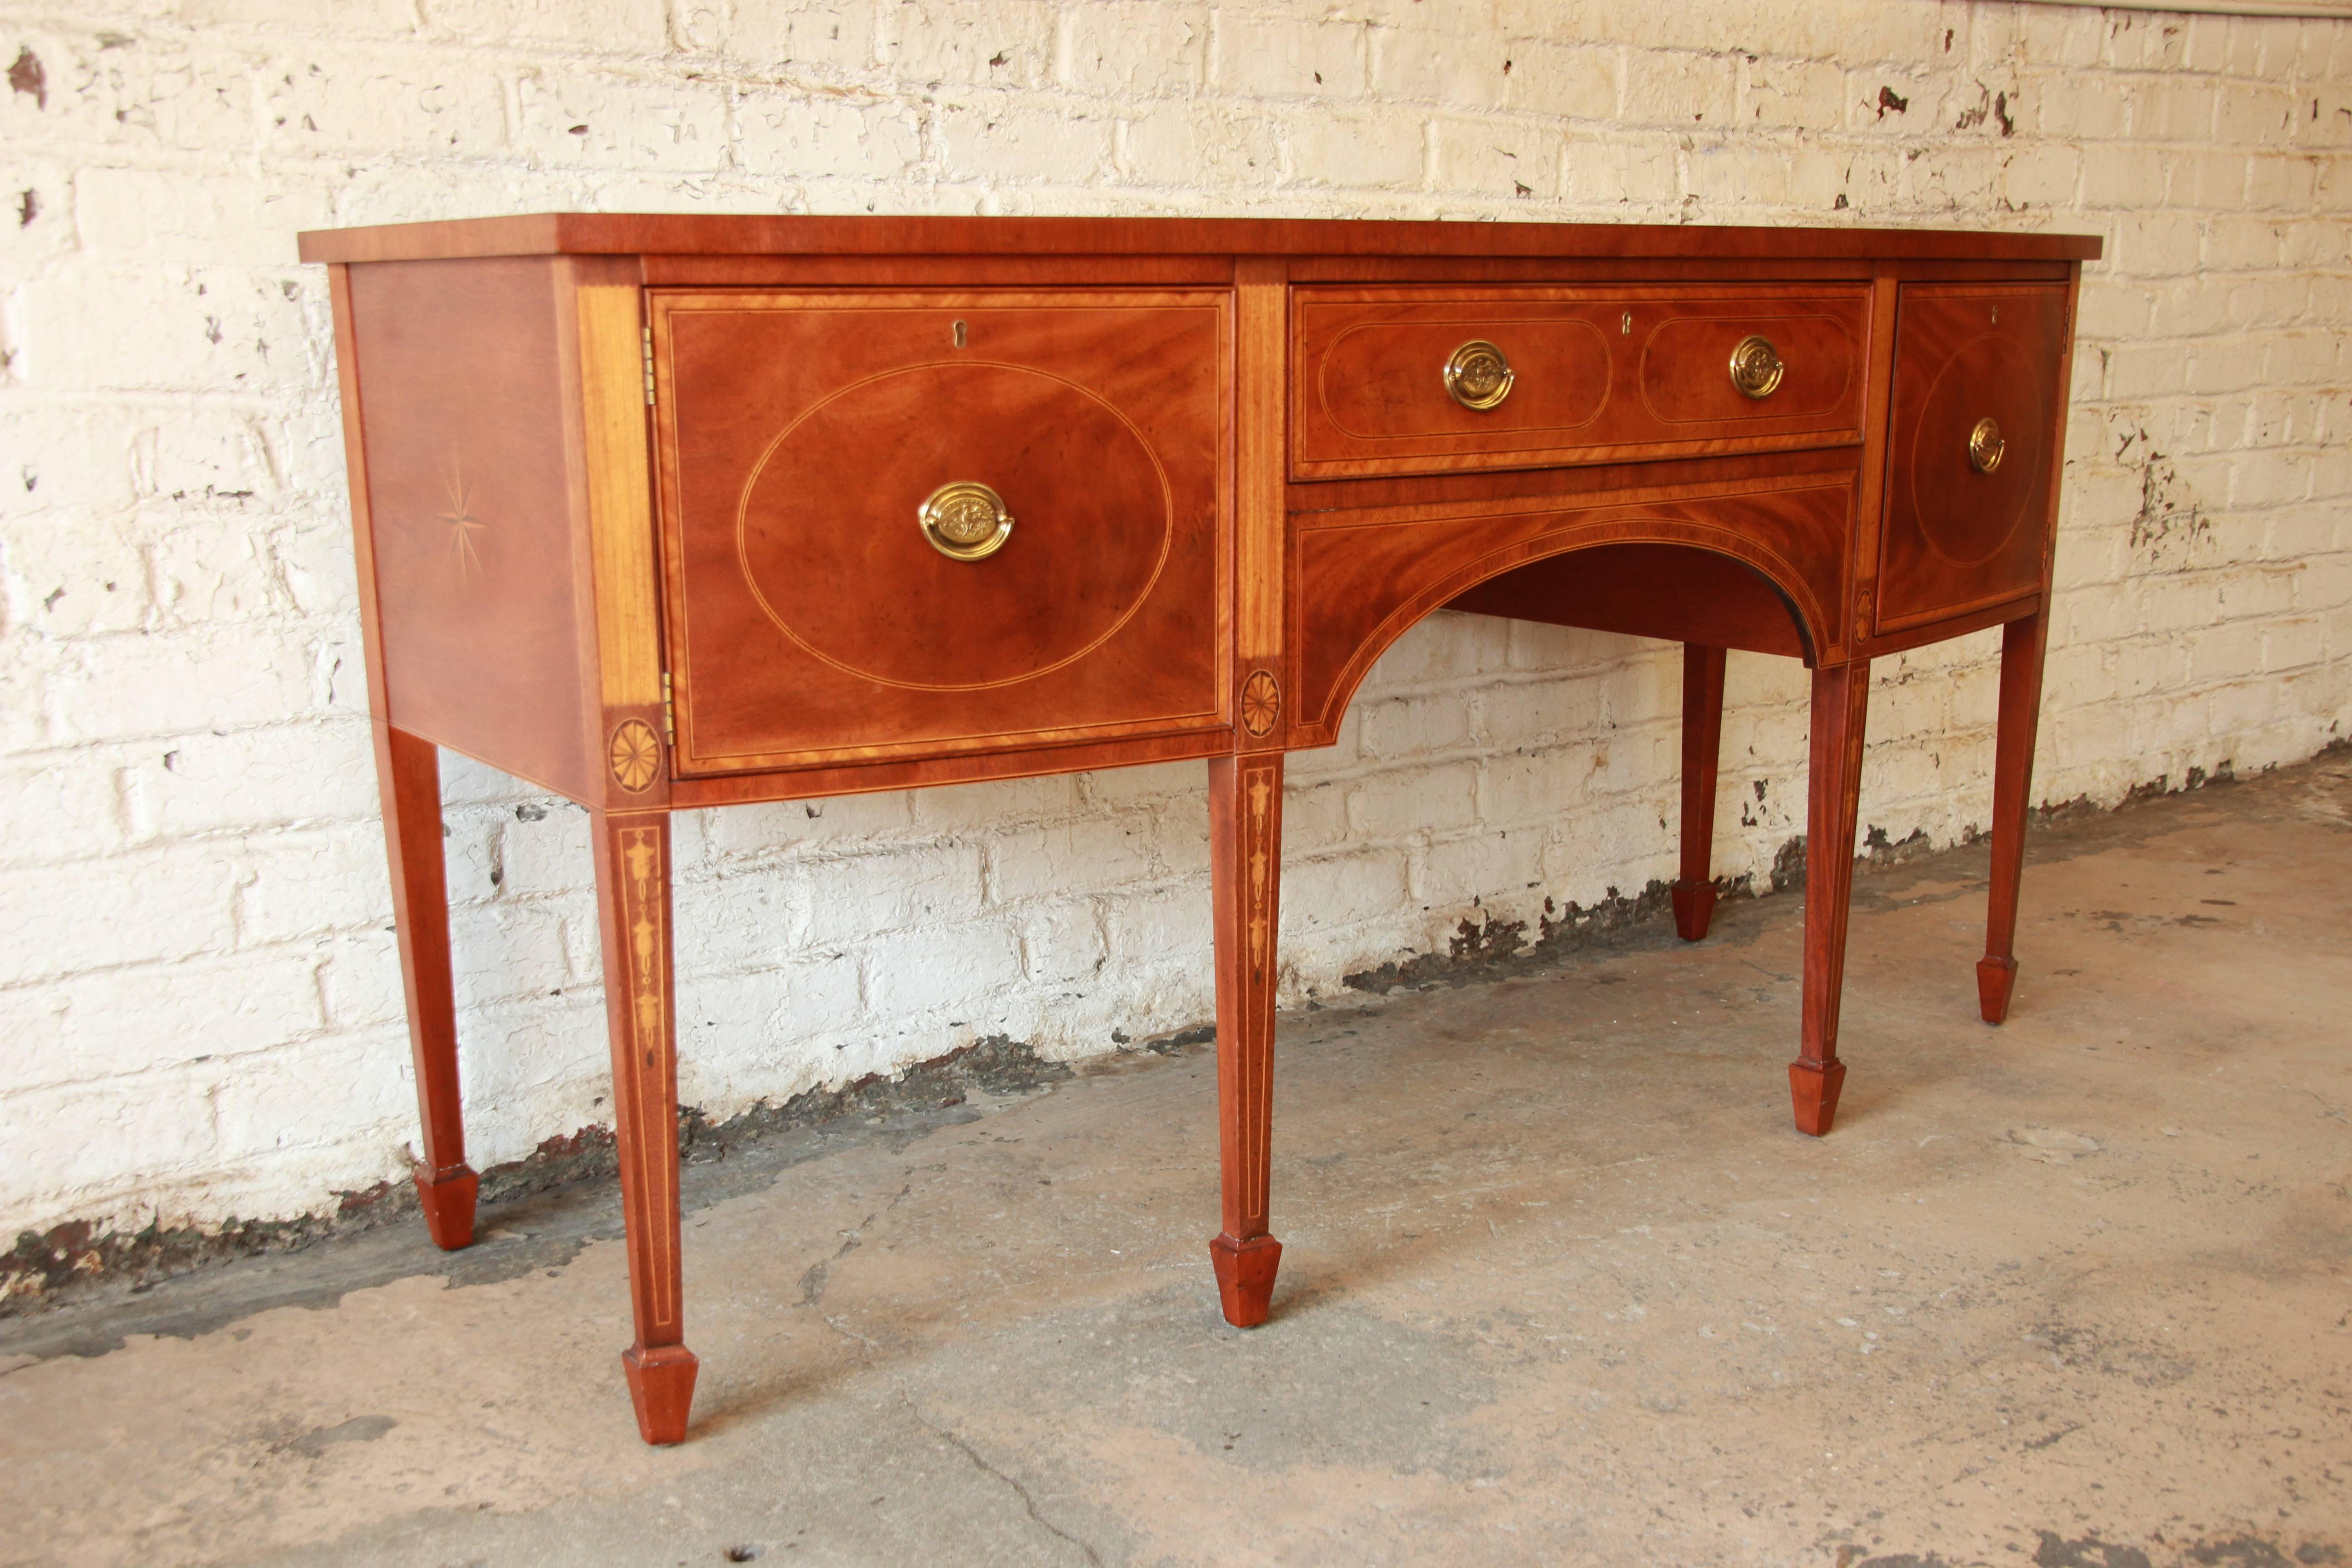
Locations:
632 893
1693 889
1245 858
2022 647
408 775
1841 697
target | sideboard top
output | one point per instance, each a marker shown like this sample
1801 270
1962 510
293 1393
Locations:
630 234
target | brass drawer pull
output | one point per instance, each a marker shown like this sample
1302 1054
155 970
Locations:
1986 448
1477 377
1756 367
964 521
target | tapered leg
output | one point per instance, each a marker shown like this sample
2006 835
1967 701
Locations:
2021 645
1840 696
632 893
408 772
1694 889
1245 857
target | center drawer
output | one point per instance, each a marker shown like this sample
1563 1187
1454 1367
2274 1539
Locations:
899 524
1422 380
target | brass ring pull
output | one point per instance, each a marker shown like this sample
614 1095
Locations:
1756 367
1986 448
964 521
1477 377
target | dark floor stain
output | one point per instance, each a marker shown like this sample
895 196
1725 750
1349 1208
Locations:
358 1429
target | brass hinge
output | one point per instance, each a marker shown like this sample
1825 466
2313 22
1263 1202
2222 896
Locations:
670 712
649 367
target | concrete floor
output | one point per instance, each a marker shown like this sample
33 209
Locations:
1563 1286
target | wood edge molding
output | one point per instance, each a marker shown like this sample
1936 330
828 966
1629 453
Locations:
347 379
637 234
619 482
1261 358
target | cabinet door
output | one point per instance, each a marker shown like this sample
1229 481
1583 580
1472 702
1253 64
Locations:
1975 414
820 613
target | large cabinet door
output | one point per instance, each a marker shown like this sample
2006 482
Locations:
1976 410
814 615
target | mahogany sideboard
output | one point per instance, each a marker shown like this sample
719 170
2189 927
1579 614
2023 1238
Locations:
669 512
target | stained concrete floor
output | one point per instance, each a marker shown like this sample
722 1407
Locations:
1563 1287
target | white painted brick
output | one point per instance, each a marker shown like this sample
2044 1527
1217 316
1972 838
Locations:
302 883
1287 58
269 1101
1682 90
994 138
1514 161
605 120
785 132
1057 860
926 886
72 1139
1165 922
1337 890
1009 43
916 972
1063 946
169 370
169 904
1335 147
833 36
633 27
1430 799
1175 143
1118 48
94 1027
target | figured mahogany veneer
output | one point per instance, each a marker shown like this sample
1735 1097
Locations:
1600 375
667 512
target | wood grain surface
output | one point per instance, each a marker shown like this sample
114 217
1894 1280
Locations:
809 619
1955 539
625 234
1600 376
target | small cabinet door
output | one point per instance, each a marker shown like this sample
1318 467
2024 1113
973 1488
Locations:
903 524
1975 413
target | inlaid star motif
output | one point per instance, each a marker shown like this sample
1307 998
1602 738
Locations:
463 526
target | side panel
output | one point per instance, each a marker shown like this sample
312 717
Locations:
458 371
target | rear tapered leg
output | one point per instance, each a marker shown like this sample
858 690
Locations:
1693 889
1841 699
632 899
2021 645
1245 860
409 774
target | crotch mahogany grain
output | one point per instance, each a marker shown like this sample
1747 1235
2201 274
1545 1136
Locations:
634 503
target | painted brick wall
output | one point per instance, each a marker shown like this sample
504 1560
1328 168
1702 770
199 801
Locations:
199 1005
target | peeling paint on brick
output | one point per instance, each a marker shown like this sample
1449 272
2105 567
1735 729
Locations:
211 1022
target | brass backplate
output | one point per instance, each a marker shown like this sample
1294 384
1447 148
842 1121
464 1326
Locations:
965 520
1756 367
1477 377
1986 448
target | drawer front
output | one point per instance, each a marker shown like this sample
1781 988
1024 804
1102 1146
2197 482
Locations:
834 467
1595 376
1968 516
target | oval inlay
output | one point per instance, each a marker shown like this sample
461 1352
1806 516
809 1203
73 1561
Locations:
845 574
